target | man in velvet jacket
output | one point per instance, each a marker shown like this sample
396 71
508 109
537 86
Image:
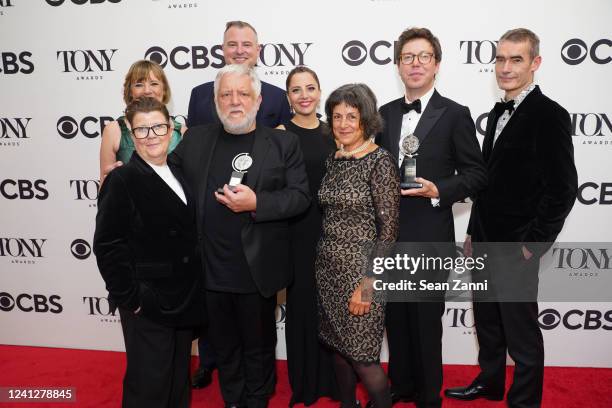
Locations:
532 187
243 230
450 168
240 46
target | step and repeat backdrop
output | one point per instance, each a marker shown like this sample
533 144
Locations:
62 64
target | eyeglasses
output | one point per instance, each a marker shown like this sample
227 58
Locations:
424 58
143 132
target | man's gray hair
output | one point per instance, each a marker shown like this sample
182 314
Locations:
239 69
523 34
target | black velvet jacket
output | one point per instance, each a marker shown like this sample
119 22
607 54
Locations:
145 245
532 176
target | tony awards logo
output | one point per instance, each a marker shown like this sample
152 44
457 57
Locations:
409 146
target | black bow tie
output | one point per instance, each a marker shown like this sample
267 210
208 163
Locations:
407 107
501 107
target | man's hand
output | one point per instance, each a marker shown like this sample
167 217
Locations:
428 190
467 246
242 199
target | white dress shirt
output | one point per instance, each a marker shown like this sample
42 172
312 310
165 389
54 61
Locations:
505 117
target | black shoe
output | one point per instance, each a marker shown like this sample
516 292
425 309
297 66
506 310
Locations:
202 377
472 392
395 398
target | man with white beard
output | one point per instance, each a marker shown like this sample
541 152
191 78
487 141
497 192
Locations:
248 180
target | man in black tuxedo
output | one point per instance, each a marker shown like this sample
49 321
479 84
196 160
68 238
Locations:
243 230
240 46
532 187
450 169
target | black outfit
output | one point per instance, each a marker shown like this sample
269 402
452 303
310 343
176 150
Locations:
532 188
145 245
273 111
449 156
242 325
309 364
226 266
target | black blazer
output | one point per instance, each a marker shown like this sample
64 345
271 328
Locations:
277 176
532 176
274 109
448 143
145 245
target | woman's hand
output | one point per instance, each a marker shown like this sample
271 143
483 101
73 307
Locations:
359 305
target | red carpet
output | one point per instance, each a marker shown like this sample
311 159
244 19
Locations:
97 376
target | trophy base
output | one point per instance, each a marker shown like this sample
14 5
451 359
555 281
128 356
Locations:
410 185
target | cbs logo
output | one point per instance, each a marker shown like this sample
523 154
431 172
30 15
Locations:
575 319
30 303
11 63
68 127
355 52
182 57
80 249
23 189
575 51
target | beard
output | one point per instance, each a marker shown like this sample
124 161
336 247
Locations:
238 127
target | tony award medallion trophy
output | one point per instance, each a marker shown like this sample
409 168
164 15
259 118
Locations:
240 164
409 146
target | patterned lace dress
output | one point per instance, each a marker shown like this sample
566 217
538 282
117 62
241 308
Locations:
360 201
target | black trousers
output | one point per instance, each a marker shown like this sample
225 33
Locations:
207 354
158 359
414 335
512 327
242 331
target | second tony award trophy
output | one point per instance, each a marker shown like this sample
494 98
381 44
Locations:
409 146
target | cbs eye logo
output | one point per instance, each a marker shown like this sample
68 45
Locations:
355 53
90 126
7 303
549 319
80 249
575 51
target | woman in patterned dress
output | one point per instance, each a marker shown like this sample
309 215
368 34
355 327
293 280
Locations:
360 197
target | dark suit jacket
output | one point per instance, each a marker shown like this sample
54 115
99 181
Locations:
274 109
145 245
277 176
448 143
532 176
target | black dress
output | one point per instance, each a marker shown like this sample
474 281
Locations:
309 364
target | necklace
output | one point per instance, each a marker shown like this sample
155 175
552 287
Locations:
353 152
